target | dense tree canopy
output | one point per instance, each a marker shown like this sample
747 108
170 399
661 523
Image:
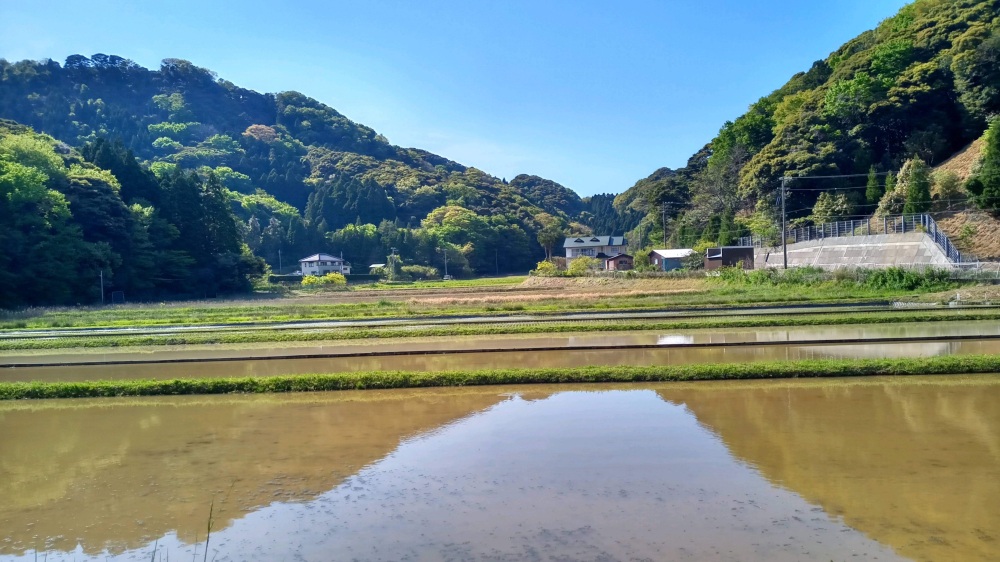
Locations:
69 223
175 153
921 85
176 182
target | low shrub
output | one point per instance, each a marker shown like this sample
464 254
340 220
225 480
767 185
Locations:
330 279
334 279
902 279
421 272
546 269
583 265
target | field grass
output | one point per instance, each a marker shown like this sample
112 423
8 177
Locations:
355 333
966 364
451 284
399 304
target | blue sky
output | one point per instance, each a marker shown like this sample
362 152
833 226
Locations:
593 95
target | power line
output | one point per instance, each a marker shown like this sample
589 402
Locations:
934 201
835 177
827 188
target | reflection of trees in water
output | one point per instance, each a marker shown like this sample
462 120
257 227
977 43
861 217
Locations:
915 466
119 476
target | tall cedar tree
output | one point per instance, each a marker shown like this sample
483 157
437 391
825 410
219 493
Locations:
873 191
987 182
918 189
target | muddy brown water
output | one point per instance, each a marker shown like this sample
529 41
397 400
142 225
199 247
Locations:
719 336
892 469
499 360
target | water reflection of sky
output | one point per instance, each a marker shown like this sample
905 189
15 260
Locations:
610 475
675 339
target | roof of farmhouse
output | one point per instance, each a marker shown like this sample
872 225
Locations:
669 254
321 257
594 241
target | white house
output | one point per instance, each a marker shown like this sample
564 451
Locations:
669 260
601 247
321 264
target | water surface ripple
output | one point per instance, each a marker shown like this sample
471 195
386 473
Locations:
905 468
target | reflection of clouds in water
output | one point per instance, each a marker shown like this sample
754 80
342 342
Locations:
675 339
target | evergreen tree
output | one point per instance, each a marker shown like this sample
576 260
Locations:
890 183
726 230
988 178
874 191
137 183
918 188
711 232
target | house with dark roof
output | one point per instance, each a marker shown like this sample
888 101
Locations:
321 264
600 247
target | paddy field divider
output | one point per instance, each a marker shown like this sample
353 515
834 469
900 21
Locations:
965 364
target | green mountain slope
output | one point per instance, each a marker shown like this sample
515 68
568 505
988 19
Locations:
68 232
300 176
920 86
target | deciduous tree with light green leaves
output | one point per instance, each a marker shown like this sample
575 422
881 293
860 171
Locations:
583 266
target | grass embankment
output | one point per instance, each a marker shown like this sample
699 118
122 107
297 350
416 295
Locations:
535 297
446 285
354 333
966 364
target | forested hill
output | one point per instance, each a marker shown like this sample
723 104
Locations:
916 89
300 177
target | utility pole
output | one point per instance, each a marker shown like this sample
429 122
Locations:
445 252
102 286
279 261
663 212
784 237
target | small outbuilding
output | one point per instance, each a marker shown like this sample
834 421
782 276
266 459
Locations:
621 262
669 260
729 256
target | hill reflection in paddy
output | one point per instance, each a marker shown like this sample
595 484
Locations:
913 463
767 470
115 474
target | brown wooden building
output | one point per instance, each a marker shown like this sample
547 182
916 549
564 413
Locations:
729 256
621 262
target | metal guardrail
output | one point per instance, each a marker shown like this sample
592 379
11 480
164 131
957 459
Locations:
890 224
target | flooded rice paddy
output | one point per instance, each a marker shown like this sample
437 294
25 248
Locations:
432 354
718 336
887 469
494 360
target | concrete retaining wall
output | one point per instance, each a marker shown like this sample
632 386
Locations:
913 249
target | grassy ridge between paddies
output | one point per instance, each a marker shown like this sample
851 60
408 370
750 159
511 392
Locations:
967 364
401 305
340 334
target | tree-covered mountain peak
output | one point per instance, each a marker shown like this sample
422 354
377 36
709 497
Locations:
294 176
918 87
